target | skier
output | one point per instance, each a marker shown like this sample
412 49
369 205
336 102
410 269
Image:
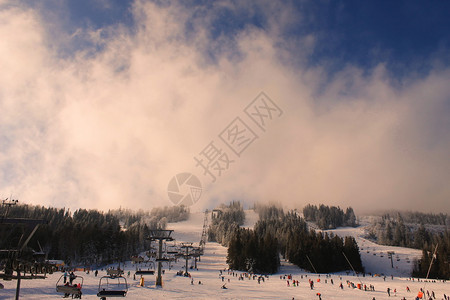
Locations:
71 277
65 276
389 291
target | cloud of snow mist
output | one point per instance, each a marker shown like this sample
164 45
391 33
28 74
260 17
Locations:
110 125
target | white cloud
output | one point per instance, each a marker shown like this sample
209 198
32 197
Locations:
111 129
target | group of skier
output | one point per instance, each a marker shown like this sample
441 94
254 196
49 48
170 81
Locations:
71 276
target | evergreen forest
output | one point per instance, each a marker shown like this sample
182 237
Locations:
89 237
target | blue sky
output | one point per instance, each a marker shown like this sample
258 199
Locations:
405 35
107 100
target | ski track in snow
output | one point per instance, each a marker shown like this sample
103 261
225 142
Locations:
178 287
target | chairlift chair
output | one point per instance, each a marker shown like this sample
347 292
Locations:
118 287
137 259
149 271
151 254
164 259
172 250
74 290
145 272
114 272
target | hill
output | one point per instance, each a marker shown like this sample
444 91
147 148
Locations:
273 287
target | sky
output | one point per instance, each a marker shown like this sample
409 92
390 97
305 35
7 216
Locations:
344 103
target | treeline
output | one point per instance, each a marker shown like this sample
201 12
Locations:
224 221
440 269
157 217
329 217
392 231
250 252
258 250
297 244
89 237
414 217
267 212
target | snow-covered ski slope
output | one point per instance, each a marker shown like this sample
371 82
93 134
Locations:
375 257
273 287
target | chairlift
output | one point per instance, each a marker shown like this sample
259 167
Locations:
145 272
148 271
163 259
151 254
114 272
73 289
150 263
137 259
172 250
112 287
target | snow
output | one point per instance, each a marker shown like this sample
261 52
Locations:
178 287
375 257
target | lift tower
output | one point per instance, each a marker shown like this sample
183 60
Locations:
186 247
160 235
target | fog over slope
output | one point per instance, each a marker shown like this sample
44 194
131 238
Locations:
109 123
